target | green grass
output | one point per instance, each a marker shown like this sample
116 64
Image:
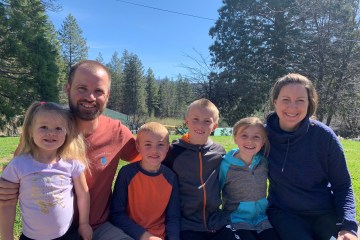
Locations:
352 153
7 148
351 148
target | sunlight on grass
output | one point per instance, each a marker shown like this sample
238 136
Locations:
351 149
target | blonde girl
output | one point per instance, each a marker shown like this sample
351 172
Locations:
243 176
49 163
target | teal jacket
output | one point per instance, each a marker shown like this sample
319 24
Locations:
244 191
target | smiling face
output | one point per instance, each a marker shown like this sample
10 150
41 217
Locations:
201 122
88 92
48 132
250 140
291 106
153 148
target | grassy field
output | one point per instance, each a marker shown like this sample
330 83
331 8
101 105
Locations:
351 148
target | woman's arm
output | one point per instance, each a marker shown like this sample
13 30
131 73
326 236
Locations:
83 202
340 180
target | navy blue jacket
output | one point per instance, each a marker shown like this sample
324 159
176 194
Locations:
197 168
308 173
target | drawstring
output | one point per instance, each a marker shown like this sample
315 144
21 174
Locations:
203 185
287 150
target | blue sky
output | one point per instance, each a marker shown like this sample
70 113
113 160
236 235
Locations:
162 40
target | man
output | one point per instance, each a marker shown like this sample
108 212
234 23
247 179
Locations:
88 90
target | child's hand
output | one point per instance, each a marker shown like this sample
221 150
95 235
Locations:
85 231
149 236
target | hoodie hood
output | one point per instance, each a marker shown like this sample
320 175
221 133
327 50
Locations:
185 143
230 159
285 141
280 136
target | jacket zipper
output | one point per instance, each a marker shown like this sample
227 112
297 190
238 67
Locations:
203 187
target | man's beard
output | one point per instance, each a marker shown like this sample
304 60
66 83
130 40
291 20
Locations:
83 114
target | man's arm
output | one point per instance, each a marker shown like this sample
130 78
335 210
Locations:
7 219
9 193
128 151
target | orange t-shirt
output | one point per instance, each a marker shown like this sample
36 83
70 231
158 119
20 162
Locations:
146 201
110 142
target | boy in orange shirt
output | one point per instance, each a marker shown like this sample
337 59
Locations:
146 200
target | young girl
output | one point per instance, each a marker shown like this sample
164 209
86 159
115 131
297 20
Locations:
46 169
243 176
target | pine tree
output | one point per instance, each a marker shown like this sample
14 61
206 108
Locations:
116 101
166 99
100 58
184 95
133 88
73 44
29 68
255 42
151 93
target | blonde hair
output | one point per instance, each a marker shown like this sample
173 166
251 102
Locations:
207 104
295 78
153 127
244 123
74 145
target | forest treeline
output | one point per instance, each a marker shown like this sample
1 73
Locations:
254 43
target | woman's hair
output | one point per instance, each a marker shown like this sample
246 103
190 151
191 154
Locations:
294 78
244 123
74 145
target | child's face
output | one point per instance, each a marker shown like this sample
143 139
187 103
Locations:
250 140
153 148
48 131
201 122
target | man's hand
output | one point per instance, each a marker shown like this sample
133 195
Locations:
8 192
149 236
345 235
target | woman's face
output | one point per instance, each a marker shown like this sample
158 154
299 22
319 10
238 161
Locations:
291 106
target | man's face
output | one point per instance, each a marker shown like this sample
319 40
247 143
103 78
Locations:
88 93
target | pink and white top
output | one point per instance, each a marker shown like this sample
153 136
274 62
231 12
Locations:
46 194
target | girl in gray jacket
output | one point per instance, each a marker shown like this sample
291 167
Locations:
243 176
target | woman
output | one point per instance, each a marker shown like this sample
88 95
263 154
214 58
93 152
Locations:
310 194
